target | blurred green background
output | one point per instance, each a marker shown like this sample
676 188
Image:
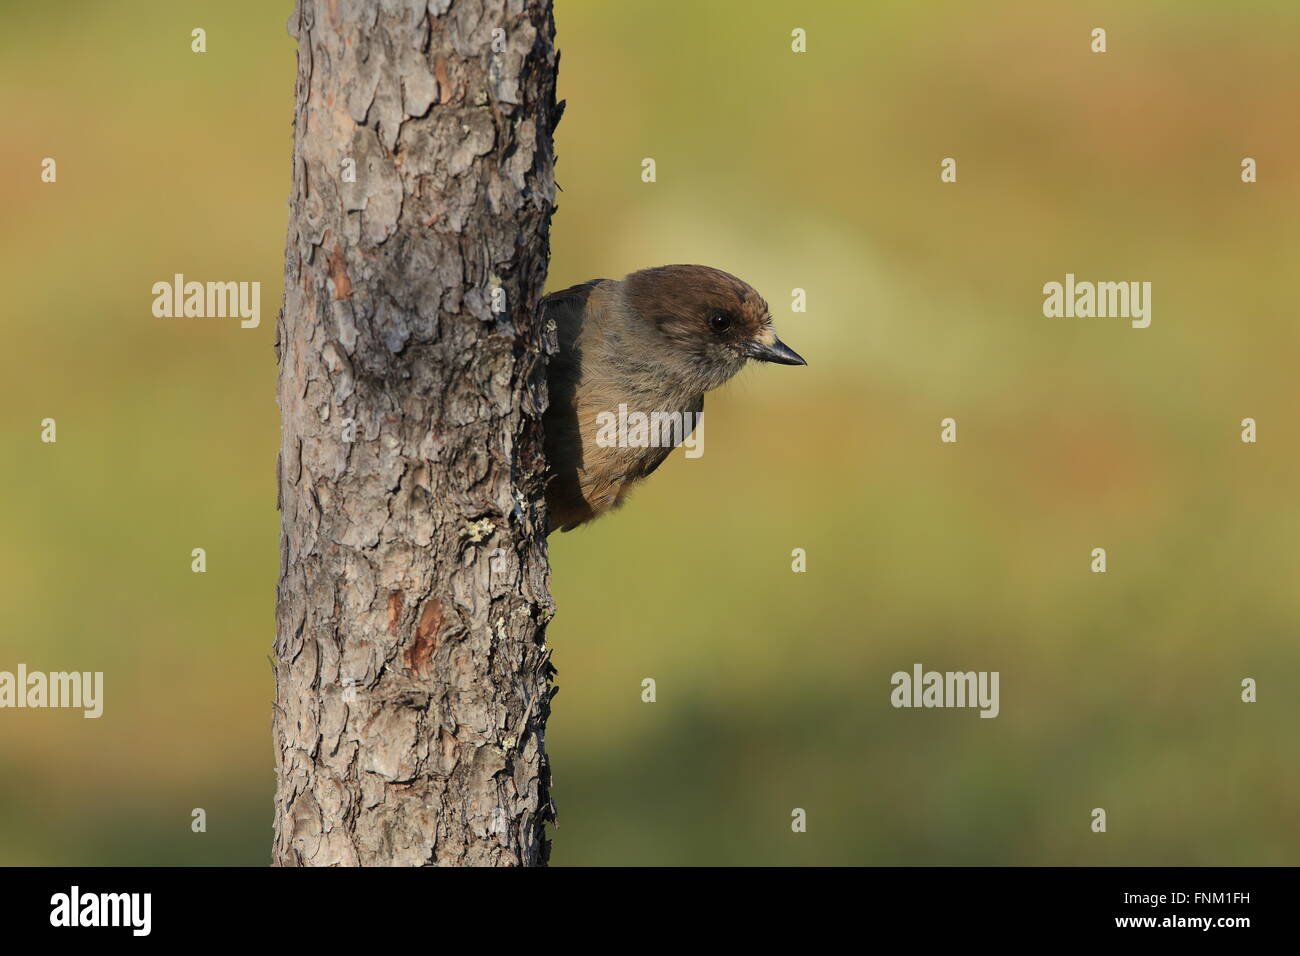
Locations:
817 171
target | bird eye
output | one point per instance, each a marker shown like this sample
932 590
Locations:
719 322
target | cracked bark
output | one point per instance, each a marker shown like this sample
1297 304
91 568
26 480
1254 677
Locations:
412 677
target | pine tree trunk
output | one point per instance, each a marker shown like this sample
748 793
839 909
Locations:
412 677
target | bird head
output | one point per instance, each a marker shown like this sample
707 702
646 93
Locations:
711 323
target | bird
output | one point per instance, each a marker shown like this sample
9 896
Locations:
653 342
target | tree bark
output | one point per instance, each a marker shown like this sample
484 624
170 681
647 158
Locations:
412 676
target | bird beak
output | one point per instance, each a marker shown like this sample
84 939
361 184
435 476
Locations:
777 352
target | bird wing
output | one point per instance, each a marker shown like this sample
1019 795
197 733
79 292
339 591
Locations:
563 439
565 308
563 370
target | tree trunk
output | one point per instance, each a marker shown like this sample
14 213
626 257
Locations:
412 677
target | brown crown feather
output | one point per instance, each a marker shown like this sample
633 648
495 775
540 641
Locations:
679 300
